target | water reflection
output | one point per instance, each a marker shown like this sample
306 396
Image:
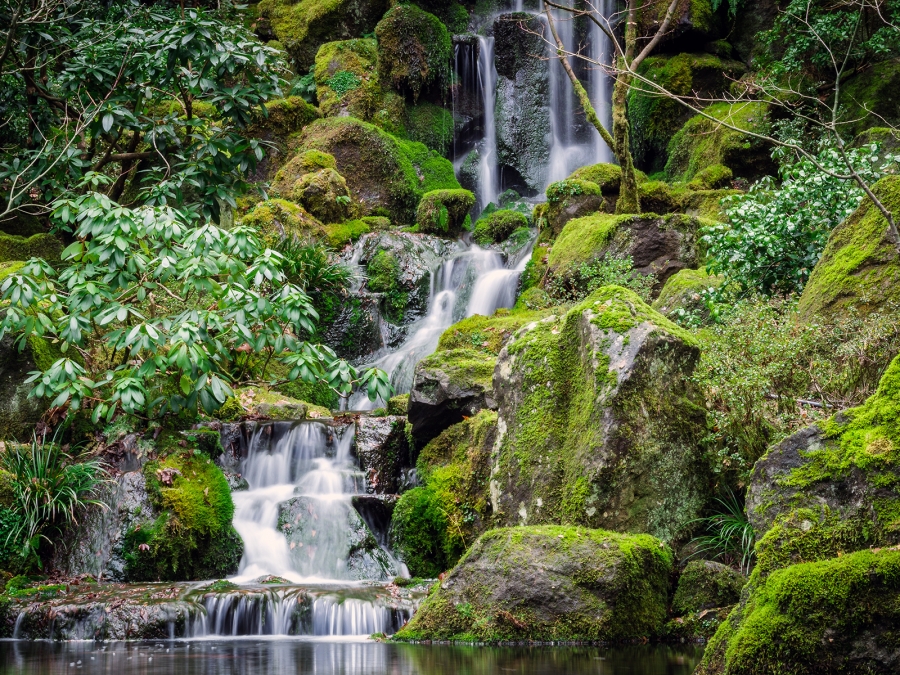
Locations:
281 657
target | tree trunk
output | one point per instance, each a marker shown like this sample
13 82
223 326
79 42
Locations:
629 200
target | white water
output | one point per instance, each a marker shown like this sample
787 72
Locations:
488 158
471 281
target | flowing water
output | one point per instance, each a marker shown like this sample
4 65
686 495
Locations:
470 281
488 158
266 657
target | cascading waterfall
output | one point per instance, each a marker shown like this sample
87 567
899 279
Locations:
600 85
299 525
471 281
488 156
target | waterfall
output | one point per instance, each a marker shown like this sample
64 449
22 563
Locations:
600 84
471 281
488 165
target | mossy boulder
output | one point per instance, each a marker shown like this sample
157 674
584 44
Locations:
832 488
870 97
860 266
191 536
434 523
693 22
549 583
683 293
277 219
324 195
705 584
262 402
486 334
453 14
302 27
414 51
280 120
387 174
711 178
523 92
579 444
346 78
338 235
704 142
655 119
42 245
431 125
606 176
835 616
573 198
498 226
448 386
444 212
659 245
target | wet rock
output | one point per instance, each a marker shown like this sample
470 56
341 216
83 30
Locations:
523 89
600 424
356 332
95 543
383 451
311 526
19 413
550 583
449 386
705 584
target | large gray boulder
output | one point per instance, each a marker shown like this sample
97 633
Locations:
550 583
523 90
600 424
449 386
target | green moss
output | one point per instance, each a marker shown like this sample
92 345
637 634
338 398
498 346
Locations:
277 219
711 178
869 98
486 333
606 176
397 405
433 525
625 604
301 27
389 173
655 119
859 267
414 50
703 142
706 585
192 537
810 618
582 238
657 197
444 211
571 187
468 367
498 226
431 125
383 272
42 245
311 160
683 291
347 79
282 117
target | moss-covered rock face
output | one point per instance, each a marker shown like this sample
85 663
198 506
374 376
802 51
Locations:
449 386
693 22
191 536
486 334
605 176
347 78
831 489
498 226
523 90
444 212
302 27
705 584
382 171
43 245
837 616
277 219
702 142
433 524
655 119
382 446
579 442
431 125
323 194
660 245
860 266
683 293
574 198
549 583
414 50
282 119
869 98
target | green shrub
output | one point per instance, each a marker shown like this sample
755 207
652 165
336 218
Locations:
571 187
498 226
576 283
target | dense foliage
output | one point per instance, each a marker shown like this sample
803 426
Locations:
777 231
155 316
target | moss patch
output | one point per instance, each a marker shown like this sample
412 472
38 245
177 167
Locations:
707 585
277 219
444 212
860 266
46 246
498 226
414 50
486 333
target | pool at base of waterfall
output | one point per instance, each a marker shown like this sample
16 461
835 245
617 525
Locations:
311 657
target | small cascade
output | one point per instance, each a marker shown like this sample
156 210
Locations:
488 156
600 84
471 281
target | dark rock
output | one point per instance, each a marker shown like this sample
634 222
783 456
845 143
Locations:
448 386
705 584
383 451
19 413
550 583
